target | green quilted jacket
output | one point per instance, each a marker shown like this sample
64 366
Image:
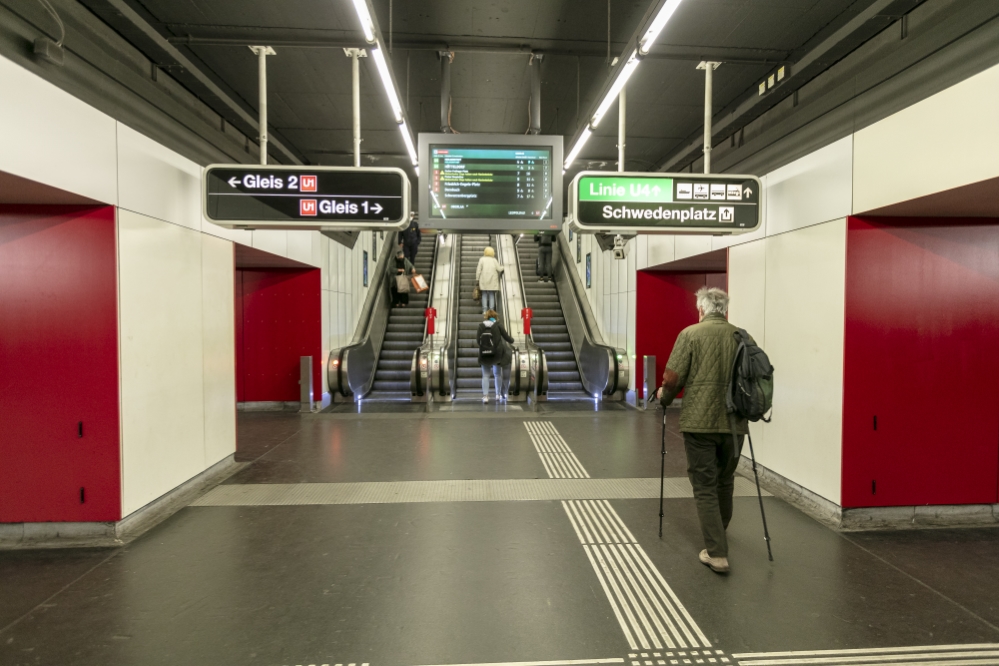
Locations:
701 365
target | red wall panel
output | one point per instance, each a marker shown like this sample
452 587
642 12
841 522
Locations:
665 306
280 319
59 361
922 321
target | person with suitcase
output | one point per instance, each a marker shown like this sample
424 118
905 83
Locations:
400 281
495 355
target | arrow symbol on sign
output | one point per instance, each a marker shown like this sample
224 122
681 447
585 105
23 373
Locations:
233 181
377 208
655 189
748 192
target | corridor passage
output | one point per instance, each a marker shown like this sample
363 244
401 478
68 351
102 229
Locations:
492 535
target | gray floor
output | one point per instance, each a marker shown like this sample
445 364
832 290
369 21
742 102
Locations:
465 581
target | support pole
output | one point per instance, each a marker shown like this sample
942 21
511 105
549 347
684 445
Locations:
709 67
535 93
355 55
446 91
622 110
262 52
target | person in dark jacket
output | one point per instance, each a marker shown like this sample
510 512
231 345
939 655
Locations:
402 267
544 270
490 337
409 240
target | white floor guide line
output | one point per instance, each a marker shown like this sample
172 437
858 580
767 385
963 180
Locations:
556 456
649 612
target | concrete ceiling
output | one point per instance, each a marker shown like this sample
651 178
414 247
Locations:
309 78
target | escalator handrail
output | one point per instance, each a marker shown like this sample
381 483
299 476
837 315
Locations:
590 337
529 343
450 346
433 283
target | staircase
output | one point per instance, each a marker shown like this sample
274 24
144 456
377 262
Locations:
548 327
469 379
404 333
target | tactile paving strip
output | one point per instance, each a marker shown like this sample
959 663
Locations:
503 490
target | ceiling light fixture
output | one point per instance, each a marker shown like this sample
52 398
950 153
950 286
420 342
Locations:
387 83
622 78
624 73
657 25
385 74
574 153
361 7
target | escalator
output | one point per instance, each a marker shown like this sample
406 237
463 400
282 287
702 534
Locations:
468 383
403 336
548 327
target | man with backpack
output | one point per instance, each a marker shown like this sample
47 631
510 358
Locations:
701 364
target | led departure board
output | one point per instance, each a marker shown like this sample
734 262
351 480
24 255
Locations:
490 182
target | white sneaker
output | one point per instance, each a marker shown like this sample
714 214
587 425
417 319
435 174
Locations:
484 400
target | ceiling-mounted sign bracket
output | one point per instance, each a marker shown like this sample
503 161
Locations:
622 203
310 197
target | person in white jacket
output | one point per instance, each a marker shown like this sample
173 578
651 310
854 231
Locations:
487 276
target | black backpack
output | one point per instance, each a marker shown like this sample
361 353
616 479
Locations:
751 387
487 344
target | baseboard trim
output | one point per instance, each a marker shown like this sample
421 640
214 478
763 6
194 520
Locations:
871 518
14 536
268 406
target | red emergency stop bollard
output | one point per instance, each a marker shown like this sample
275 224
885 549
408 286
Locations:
431 315
526 315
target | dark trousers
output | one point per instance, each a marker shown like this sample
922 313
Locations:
711 470
545 262
409 250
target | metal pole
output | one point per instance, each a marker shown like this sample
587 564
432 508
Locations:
355 71
535 94
709 67
262 52
445 91
622 107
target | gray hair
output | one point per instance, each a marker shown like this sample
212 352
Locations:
711 300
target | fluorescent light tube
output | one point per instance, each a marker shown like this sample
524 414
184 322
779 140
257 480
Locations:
583 138
615 89
361 7
386 76
409 142
657 25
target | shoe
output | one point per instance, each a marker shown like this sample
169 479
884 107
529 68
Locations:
716 564
484 400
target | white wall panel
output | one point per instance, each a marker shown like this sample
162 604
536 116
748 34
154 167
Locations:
815 188
155 181
940 143
219 346
271 240
51 137
162 357
241 236
747 265
300 246
662 250
689 246
641 252
805 301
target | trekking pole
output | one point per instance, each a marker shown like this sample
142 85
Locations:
759 495
662 476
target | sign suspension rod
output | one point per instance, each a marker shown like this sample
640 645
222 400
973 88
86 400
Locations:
354 55
709 67
262 52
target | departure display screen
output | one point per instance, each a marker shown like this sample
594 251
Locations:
490 182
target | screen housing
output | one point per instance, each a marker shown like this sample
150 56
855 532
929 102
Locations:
487 224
